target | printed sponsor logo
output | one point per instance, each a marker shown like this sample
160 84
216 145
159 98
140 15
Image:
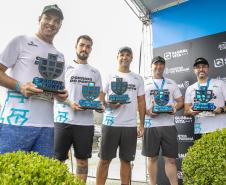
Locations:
184 137
167 55
175 54
183 85
182 119
31 43
222 46
176 70
219 62
180 174
181 156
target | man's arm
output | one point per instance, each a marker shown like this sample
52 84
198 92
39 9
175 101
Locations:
220 110
107 104
188 110
224 107
149 111
5 80
141 110
61 96
179 103
101 98
26 89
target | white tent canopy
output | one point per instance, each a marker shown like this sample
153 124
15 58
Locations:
143 8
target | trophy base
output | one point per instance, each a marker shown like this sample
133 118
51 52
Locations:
49 85
121 102
122 99
162 109
203 107
89 104
91 108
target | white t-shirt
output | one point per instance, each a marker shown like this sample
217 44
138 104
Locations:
126 114
210 123
20 57
163 119
77 76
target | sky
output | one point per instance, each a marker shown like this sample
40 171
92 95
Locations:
111 24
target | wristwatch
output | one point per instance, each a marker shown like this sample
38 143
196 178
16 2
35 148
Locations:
222 109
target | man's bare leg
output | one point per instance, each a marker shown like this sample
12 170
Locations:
171 170
102 171
82 169
153 169
125 172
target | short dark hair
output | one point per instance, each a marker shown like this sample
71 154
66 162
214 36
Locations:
86 37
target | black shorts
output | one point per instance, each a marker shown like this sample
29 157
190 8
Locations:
123 137
164 137
81 137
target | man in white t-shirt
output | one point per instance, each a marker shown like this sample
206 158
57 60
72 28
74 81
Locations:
119 128
27 112
160 130
74 125
206 121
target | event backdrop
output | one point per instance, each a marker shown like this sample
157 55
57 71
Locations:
179 63
181 34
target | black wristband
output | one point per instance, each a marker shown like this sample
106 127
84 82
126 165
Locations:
222 109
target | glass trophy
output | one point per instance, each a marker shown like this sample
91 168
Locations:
90 92
161 99
49 68
119 88
202 98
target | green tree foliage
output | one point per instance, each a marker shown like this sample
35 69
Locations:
22 168
205 161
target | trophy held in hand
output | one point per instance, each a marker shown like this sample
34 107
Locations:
119 88
50 69
161 99
90 93
202 98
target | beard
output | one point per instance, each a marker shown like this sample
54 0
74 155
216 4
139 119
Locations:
202 76
82 57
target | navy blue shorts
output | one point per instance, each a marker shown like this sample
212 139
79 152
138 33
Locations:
26 138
